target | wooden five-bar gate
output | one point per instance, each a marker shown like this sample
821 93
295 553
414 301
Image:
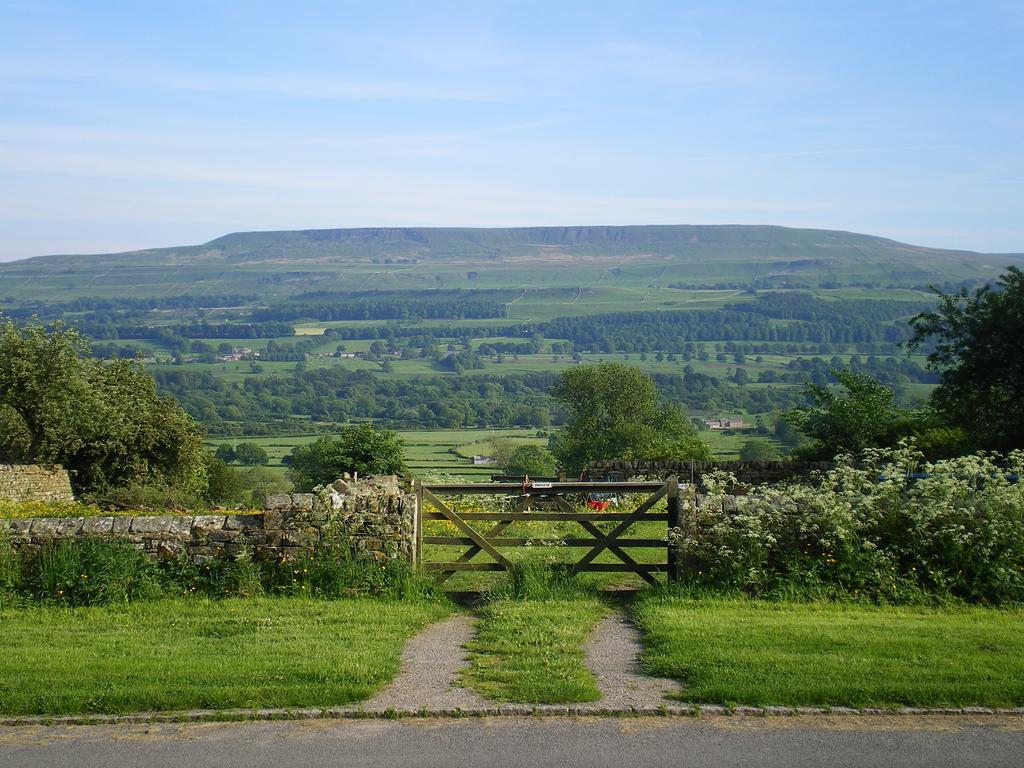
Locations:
551 505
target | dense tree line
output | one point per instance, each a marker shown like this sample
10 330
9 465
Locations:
108 351
810 308
289 351
494 348
408 306
701 392
46 309
200 330
336 395
891 371
461 361
365 333
671 331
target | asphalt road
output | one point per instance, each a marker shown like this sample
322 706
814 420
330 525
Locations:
787 742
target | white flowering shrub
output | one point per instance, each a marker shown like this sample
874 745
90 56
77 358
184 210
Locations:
889 527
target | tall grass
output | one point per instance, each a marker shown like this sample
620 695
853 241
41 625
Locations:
333 571
100 572
94 572
538 580
10 568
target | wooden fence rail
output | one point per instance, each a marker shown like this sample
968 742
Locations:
522 500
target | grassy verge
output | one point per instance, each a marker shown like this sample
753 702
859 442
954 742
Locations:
191 653
532 650
820 654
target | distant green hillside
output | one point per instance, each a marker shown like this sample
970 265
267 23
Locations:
635 258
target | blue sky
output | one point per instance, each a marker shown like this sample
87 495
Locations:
128 124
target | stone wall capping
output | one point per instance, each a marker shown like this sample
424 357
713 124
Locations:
203 524
278 501
151 524
301 501
242 522
97 526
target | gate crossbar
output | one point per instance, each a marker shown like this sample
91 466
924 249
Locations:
478 542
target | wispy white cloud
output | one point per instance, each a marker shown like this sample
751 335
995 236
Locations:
312 85
826 152
315 86
95 147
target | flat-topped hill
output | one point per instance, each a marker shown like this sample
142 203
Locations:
345 259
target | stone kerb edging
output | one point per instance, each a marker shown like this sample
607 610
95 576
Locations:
504 710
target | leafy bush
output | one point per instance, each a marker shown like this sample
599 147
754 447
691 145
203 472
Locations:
333 571
892 528
151 495
358 448
240 576
531 460
102 419
758 450
224 484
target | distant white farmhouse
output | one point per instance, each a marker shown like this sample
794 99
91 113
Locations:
724 423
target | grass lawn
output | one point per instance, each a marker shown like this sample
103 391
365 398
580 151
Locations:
767 653
532 651
191 653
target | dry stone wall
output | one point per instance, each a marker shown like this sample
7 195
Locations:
375 516
32 482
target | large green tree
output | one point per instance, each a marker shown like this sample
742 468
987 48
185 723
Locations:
614 411
359 448
530 460
858 415
861 413
103 420
250 454
977 341
758 450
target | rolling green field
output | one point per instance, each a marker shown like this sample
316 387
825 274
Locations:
431 295
428 453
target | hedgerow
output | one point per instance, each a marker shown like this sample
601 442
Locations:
887 527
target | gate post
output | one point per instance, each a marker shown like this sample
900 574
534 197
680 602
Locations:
417 558
672 493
